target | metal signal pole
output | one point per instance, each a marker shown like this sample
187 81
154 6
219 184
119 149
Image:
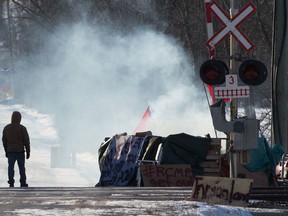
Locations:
233 103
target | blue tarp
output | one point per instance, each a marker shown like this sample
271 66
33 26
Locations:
265 158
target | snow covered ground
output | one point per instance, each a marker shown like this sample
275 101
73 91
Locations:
40 174
42 137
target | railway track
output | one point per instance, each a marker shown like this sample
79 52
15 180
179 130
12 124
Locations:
269 197
122 200
257 193
269 193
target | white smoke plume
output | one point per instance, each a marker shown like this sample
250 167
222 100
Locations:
97 82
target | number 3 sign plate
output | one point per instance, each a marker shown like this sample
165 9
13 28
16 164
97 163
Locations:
231 90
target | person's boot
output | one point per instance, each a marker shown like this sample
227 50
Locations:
11 183
24 185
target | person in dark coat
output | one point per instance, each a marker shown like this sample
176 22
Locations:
16 140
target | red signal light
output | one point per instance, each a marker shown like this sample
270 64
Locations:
253 72
213 72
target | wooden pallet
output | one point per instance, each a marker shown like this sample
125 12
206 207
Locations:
211 164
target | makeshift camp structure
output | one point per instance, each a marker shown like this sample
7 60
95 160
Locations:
121 155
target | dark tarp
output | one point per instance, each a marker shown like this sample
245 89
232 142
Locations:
185 149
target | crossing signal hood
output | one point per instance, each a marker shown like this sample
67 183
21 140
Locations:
213 72
252 72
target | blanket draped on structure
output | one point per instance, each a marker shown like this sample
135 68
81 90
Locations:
118 164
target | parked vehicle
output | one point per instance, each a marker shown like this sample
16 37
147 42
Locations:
281 170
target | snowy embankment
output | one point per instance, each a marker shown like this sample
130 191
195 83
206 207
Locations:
42 137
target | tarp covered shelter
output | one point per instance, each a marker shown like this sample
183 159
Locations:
119 156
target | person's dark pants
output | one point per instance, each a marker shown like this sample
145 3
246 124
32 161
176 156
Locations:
20 158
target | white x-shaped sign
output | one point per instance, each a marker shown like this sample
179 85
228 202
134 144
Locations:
231 26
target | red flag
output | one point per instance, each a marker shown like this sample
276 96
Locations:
210 88
142 126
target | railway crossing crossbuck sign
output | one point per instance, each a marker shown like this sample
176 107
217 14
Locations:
231 25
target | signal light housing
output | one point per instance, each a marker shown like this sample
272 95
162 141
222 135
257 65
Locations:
213 72
252 72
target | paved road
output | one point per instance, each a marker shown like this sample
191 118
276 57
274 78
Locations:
103 201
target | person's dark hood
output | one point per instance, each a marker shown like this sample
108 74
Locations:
16 117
